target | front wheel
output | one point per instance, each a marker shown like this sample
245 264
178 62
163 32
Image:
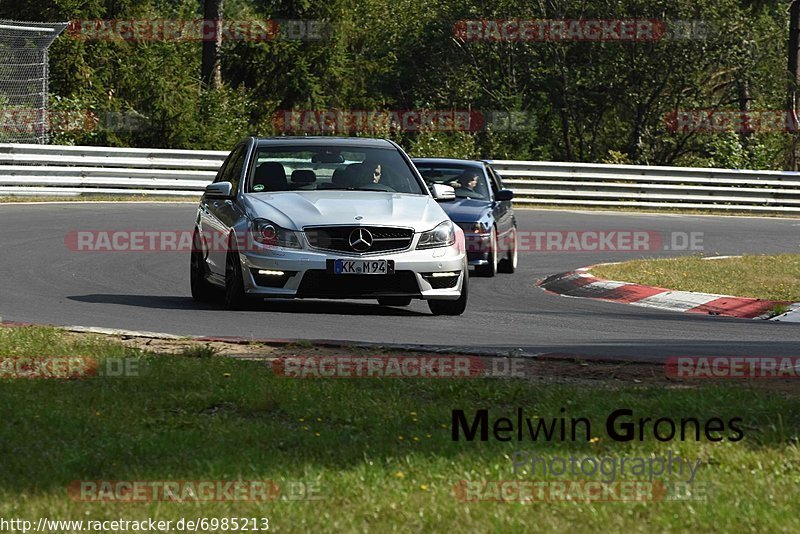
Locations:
235 297
452 307
202 289
509 263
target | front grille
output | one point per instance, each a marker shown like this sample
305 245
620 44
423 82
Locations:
441 282
323 284
337 238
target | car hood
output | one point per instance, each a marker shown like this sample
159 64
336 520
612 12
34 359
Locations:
295 210
467 209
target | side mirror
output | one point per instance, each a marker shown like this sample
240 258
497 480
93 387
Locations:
219 190
503 195
443 192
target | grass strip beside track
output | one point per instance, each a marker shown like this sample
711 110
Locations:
380 450
763 277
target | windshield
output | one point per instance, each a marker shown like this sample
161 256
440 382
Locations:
351 168
467 180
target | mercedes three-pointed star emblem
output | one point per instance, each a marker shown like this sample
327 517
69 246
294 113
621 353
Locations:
360 240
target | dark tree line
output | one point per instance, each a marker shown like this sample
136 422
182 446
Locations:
580 100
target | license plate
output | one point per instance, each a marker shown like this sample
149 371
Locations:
360 267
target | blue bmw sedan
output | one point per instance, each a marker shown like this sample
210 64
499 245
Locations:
482 208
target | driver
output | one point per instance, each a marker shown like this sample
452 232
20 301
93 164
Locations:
374 167
468 180
363 174
360 174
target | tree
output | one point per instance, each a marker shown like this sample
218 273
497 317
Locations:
210 70
794 77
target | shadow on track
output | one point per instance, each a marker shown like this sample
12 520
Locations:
310 306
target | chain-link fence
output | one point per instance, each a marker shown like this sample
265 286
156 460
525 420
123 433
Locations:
23 80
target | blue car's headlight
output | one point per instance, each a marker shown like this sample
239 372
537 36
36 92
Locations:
443 235
270 234
475 227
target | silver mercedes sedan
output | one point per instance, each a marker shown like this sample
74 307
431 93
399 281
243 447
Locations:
329 218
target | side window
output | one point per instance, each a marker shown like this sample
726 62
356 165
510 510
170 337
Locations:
232 170
492 180
497 183
221 171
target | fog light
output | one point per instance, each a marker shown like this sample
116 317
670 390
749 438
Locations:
272 273
442 275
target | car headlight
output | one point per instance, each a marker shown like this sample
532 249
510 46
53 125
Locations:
270 234
474 228
443 235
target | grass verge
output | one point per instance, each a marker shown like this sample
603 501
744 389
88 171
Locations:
378 451
763 277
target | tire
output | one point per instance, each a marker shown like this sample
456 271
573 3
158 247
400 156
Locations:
452 307
235 297
394 301
509 264
202 289
490 269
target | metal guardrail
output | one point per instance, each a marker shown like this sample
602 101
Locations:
49 170
66 170
588 184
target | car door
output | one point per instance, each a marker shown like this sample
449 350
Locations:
503 213
217 215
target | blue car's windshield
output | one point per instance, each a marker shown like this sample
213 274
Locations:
346 167
467 180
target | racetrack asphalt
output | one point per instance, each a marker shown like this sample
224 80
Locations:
45 282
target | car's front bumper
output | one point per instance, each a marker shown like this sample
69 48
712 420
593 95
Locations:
478 247
308 273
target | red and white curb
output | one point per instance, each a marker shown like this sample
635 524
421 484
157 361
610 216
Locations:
581 284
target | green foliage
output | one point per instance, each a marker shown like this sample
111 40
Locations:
616 157
428 144
586 101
